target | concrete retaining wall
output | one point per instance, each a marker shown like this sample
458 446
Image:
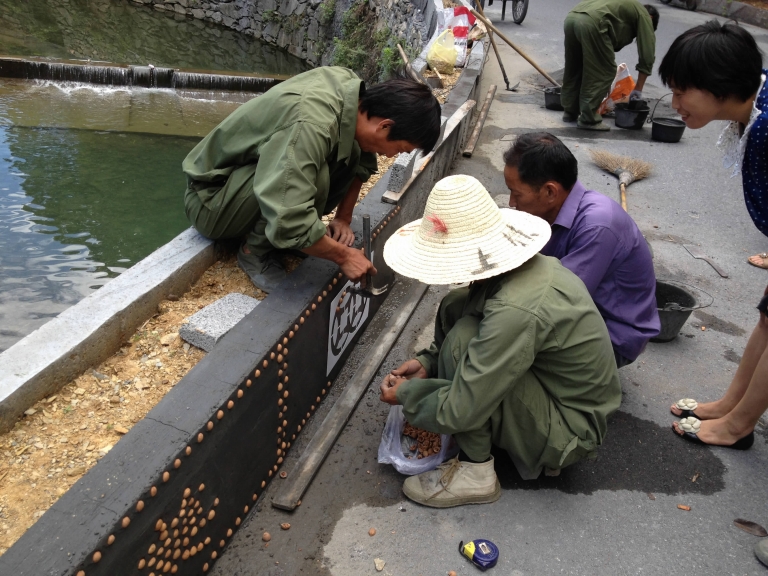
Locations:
92 330
178 485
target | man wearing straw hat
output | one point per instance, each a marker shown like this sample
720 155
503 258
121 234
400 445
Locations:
521 358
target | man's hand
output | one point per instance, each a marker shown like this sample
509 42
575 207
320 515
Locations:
635 95
389 387
410 369
341 232
352 262
355 266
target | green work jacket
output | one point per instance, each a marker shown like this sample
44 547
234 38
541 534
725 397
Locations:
622 21
535 322
294 146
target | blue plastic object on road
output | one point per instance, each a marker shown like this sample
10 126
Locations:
482 553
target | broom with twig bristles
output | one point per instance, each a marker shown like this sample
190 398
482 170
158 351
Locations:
626 169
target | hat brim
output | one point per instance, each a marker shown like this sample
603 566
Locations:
516 240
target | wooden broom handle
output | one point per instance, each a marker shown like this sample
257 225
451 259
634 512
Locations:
623 189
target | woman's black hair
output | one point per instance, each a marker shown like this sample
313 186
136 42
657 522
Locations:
720 58
540 157
410 105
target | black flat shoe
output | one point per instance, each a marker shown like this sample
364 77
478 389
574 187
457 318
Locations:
740 444
685 414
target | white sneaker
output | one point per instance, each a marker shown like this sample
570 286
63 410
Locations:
454 483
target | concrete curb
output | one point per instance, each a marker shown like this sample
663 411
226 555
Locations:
736 10
89 332
171 493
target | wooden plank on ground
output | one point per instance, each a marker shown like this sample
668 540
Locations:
318 448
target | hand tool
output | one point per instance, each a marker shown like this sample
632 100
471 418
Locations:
492 28
482 553
367 290
498 57
699 254
410 71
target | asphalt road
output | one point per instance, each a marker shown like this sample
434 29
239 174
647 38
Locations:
615 515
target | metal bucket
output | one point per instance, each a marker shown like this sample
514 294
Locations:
665 129
629 117
674 305
552 99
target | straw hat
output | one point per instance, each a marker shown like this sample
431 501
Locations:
464 236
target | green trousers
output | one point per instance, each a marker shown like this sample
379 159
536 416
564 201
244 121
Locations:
526 424
237 213
590 67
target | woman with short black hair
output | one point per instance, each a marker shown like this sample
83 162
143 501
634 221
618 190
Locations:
715 73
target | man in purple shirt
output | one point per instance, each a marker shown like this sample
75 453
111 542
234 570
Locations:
591 235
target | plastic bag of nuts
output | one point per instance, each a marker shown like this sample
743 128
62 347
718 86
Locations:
412 450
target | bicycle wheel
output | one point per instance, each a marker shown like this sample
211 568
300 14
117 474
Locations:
519 10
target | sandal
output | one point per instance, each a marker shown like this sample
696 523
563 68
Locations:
691 426
686 407
763 257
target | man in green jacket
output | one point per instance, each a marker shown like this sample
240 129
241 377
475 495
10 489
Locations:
278 163
521 358
594 30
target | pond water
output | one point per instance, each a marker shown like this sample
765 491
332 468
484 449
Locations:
76 208
90 177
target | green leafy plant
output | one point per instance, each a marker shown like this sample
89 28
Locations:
270 16
326 11
371 53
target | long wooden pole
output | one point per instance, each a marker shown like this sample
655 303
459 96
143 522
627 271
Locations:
495 30
480 121
496 50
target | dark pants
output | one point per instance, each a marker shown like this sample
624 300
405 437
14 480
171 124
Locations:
237 213
522 424
620 360
590 67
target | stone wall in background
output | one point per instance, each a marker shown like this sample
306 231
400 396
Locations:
305 28
120 32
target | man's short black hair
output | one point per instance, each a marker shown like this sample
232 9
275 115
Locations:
540 157
654 14
720 58
410 105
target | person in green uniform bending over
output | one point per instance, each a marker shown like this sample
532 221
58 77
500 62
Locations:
278 163
594 30
521 358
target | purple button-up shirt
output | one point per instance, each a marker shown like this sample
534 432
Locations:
596 240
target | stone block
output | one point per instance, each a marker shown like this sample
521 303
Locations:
205 328
401 171
313 29
229 9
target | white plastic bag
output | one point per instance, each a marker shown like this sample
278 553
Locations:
391 447
458 20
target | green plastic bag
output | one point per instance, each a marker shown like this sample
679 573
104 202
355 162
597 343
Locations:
442 55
